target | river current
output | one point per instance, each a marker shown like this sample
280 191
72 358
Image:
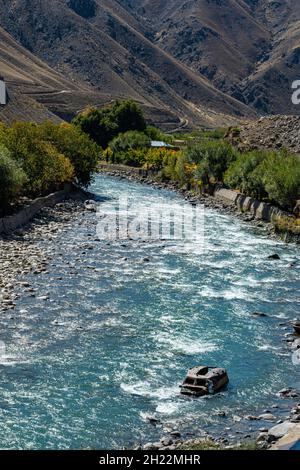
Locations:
115 326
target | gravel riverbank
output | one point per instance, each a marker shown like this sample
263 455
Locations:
20 253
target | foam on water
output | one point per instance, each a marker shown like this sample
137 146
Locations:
186 345
118 334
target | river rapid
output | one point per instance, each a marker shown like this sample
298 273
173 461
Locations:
114 326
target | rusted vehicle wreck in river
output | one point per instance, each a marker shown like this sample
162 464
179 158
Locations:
204 380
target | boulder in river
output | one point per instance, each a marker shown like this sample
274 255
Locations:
280 430
90 205
273 257
288 393
259 314
296 326
267 417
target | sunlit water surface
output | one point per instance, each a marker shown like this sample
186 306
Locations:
110 347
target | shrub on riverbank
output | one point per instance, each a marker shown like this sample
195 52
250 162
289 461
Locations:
39 159
131 140
269 176
156 134
274 176
281 177
81 151
133 148
244 174
12 179
212 159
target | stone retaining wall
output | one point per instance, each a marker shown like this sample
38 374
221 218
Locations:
12 222
260 210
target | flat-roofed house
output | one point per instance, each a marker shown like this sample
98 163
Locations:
162 145
2 91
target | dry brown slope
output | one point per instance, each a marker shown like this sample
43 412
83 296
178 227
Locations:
110 51
269 87
220 38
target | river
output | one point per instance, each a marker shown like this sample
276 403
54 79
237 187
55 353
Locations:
115 326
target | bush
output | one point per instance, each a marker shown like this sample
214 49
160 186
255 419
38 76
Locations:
134 157
156 158
244 174
46 169
168 171
130 140
82 152
102 125
281 176
212 159
271 175
12 179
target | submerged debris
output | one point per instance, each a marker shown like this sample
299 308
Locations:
204 380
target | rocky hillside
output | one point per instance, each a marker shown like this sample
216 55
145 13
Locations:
103 44
246 48
188 62
272 133
35 90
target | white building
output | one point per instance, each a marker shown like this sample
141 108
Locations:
2 92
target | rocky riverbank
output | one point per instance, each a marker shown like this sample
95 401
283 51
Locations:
270 431
20 252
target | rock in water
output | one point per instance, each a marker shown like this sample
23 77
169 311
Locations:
280 430
274 257
90 205
288 393
259 314
267 417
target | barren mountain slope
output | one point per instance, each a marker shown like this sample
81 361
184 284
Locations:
195 62
100 43
35 91
248 48
221 38
268 88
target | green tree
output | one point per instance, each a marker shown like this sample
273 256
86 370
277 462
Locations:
82 152
128 116
102 125
12 179
129 140
98 125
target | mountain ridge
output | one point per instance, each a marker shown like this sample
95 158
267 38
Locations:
189 62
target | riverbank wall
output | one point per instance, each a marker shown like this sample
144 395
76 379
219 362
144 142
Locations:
260 210
26 214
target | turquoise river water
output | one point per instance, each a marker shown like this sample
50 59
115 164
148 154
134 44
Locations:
110 347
